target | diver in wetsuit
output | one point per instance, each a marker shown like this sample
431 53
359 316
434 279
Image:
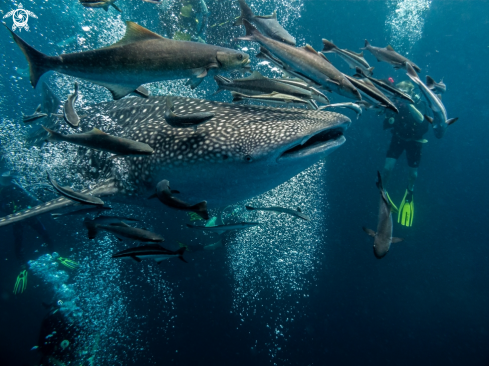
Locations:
15 198
408 128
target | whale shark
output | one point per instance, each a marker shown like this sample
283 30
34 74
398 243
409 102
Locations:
241 152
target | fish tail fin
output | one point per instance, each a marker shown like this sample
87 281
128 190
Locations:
369 231
366 45
451 121
106 7
328 46
91 227
201 210
38 61
251 32
249 208
180 254
116 8
246 13
371 70
428 118
53 135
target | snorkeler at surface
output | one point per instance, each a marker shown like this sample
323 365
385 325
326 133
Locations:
14 199
408 128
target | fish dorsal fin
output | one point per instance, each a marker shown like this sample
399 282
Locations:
136 33
96 131
324 57
309 48
299 209
38 109
430 82
368 82
390 48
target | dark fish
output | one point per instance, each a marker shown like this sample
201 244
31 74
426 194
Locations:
437 88
142 57
99 140
243 152
69 112
353 59
151 251
34 116
304 63
95 210
275 98
297 213
266 24
75 196
165 194
104 4
439 121
223 228
383 236
91 225
390 56
122 231
184 121
371 94
386 88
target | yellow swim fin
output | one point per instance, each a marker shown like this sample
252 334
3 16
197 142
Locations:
406 209
21 282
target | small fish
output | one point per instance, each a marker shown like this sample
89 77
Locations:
75 196
91 225
223 228
371 94
385 87
275 98
104 4
439 121
353 106
437 88
122 231
383 236
165 194
34 116
266 24
353 59
69 112
99 140
316 94
390 56
151 251
184 121
297 213
84 211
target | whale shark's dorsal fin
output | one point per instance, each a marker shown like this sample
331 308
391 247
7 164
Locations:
136 33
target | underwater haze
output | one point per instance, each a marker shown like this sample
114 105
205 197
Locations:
289 291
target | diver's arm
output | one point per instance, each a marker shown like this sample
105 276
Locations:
418 116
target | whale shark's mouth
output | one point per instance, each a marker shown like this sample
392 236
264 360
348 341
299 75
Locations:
320 142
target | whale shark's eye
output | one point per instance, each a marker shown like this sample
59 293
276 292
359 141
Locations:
248 158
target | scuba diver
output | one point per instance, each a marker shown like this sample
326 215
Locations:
15 198
408 128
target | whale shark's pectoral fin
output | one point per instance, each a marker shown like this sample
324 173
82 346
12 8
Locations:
103 189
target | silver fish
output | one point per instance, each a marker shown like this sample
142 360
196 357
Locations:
275 98
143 57
266 24
242 152
371 94
69 112
151 251
439 120
437 88
79 197
297 213
34 116
122 231
84 211
303 62
353 106
353 59
104 4
99 140
165 194
383 236
219 229
390 56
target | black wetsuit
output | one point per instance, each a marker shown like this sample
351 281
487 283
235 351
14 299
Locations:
406 134
14 199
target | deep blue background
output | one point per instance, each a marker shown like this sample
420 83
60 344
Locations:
427 302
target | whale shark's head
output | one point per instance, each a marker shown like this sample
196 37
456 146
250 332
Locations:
241 152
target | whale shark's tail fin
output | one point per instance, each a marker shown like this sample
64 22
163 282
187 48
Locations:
105 188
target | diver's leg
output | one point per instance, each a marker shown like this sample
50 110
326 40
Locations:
413 154
388 168
396 147
413 174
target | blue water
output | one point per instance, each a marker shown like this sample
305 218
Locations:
292 293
